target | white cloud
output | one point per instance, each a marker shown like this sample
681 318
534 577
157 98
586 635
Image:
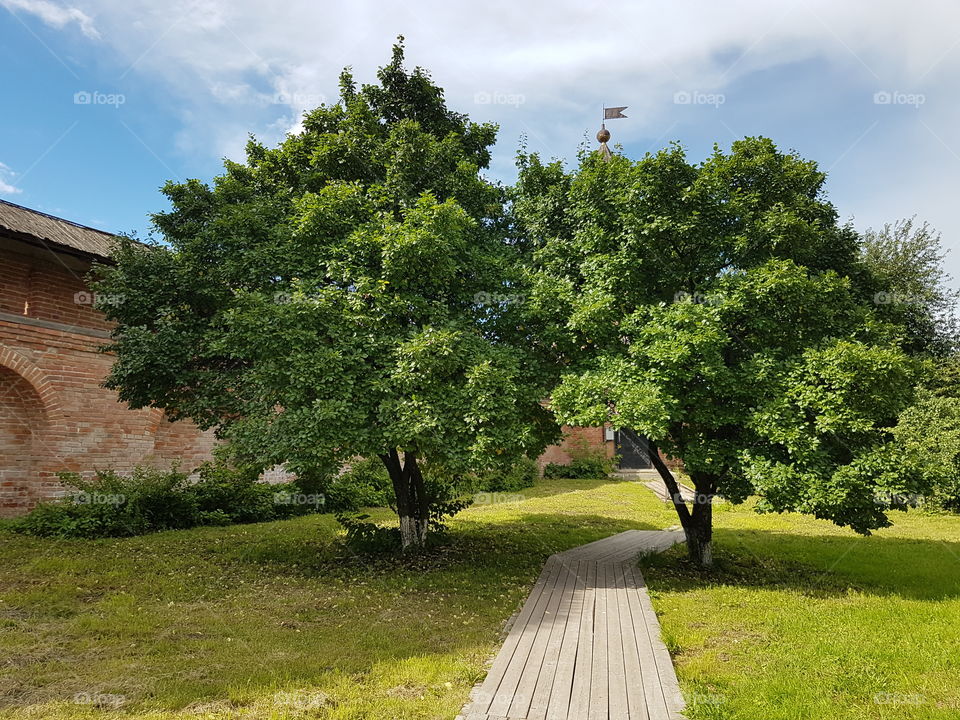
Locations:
564 57
55 15
6 179
544 67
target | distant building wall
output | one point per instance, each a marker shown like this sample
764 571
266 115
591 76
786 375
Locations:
574 438
590 437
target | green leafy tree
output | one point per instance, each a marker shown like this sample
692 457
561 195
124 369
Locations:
906 279
711 307
347 293
930 433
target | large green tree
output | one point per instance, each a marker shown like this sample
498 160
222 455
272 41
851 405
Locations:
347 293
720 309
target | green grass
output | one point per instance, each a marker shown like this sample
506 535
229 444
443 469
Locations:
801 619
276 620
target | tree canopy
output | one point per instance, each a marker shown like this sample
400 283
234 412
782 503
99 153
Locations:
719 309
908 284
340 295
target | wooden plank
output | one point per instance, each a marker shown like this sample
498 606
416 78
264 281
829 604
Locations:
536 659
562 630
666 674
560 694
636 700
652 690
582 673
586 644
646 543
613 544
599 673
590 550
618 707
503 697
491 685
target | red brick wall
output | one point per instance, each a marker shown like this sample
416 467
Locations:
574 437
592 437
54 416
33 286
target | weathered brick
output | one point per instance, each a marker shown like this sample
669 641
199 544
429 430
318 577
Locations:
54 415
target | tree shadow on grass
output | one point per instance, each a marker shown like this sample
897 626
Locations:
398 609
471 545
816 565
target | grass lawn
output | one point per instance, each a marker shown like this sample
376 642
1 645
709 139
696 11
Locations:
277 620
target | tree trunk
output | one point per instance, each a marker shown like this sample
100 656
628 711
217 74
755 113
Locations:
700 532
698 524
413 505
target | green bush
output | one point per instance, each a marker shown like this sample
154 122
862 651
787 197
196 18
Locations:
364 484
586 463
929 433
366 536
579 469
518 476
149 500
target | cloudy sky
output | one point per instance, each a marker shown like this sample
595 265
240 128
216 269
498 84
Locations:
103 100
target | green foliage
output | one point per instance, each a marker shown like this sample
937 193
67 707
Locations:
942 376
906 280
518 475
718 308
150 500
364 484
582 469
369 536
329 298
586 463
930 433
364 535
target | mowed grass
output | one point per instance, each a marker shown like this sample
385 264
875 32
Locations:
277 620
801 619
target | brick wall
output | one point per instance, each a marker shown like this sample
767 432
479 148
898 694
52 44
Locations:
54 416
592 437
574 437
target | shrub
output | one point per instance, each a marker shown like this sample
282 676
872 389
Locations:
226 495
579 469
114 505
149 500
367 536
929 432
586 462
521 474
364 484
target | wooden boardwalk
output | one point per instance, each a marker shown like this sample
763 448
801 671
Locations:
660 490
586 644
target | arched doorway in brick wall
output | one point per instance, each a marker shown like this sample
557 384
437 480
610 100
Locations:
22 424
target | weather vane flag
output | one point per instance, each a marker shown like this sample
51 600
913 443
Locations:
614 113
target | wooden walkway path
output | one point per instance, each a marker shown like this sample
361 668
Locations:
660 490
586 644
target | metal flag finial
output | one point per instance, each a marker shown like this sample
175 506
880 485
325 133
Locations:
603 135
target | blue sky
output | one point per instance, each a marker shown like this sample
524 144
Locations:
868 89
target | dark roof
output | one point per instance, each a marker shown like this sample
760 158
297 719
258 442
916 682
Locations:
38 228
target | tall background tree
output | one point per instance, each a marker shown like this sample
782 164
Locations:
347 293
720 309
905 276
